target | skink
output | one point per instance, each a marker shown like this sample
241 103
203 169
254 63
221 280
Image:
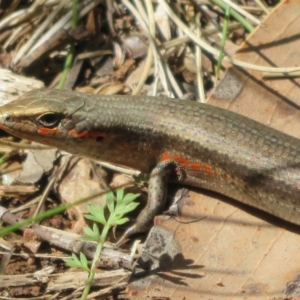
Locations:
198 144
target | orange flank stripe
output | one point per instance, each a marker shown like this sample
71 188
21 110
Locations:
196 167
84 134
218 173
181 159
228 178
208 170
166 156
96 134
183 162
79 135
46 131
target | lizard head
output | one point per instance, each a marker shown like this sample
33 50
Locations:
41 116
93 126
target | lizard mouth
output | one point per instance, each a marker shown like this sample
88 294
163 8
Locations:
5 127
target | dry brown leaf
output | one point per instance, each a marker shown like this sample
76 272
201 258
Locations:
36 164
77 184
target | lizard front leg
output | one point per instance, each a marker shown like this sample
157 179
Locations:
157 192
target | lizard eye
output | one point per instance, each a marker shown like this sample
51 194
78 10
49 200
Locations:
8 118
49 120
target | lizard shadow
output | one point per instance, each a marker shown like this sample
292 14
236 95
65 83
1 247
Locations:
273 220
167 268
163 256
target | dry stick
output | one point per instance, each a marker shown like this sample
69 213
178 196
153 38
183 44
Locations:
159 63
213 51
33 39
163 67
71 242
262 6
199 74
149 59
24 146
45 194
65 21
243 12
109 16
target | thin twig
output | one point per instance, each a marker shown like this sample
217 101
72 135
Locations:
215 52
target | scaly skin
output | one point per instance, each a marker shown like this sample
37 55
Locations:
202 145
